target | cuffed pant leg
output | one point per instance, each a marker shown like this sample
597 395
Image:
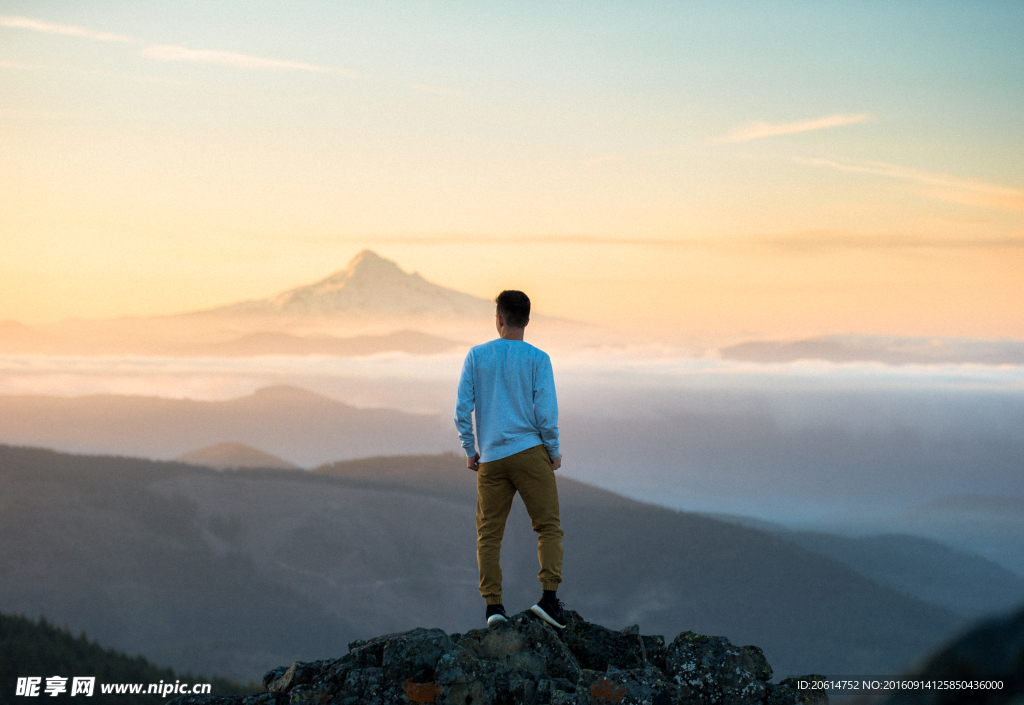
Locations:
533 475
494 493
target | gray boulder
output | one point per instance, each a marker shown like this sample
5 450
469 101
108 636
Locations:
414 654
710 669
524 643
636 686
600 648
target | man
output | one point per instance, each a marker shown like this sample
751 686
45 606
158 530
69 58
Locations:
510 386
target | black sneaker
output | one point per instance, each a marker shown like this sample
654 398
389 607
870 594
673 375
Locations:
549 608
495 615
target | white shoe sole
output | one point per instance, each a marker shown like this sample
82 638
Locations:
546 617
495 619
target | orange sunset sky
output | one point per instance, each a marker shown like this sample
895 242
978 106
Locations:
724 169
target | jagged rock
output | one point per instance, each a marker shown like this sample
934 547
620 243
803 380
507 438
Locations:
369 652
283 679
524 661
525 643
599 648
655 649
414 654
464 679
712 669
648 686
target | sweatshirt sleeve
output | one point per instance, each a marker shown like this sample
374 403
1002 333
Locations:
464 407
545 406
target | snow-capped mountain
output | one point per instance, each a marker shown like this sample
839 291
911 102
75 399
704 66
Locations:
369 284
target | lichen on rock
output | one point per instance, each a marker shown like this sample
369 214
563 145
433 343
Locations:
524 661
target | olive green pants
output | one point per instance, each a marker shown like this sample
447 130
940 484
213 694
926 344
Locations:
531 473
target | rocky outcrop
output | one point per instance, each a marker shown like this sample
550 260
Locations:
526 661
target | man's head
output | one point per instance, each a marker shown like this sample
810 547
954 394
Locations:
514 308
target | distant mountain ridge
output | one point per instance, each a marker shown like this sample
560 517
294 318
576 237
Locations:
234 572
928 570
973 504
289 422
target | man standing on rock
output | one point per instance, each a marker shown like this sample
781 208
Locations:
509 384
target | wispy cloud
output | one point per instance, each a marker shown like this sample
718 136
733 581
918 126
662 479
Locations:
759 130
437 91
66 29
937 185
170 52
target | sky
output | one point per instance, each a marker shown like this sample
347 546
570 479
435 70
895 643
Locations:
704 168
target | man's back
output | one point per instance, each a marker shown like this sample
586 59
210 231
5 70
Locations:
511 387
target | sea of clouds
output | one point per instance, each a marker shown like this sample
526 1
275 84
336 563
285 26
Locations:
801 439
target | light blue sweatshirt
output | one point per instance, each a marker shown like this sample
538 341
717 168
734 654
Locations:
510 385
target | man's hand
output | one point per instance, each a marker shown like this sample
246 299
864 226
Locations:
473 462
556 463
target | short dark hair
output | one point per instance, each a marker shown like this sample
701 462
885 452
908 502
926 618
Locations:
514 307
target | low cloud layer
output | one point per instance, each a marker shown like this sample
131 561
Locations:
800 439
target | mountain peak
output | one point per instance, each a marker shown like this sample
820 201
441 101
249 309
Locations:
231 455
369 257
369 284
364 267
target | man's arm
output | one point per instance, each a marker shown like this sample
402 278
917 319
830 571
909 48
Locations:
464 413
545 407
